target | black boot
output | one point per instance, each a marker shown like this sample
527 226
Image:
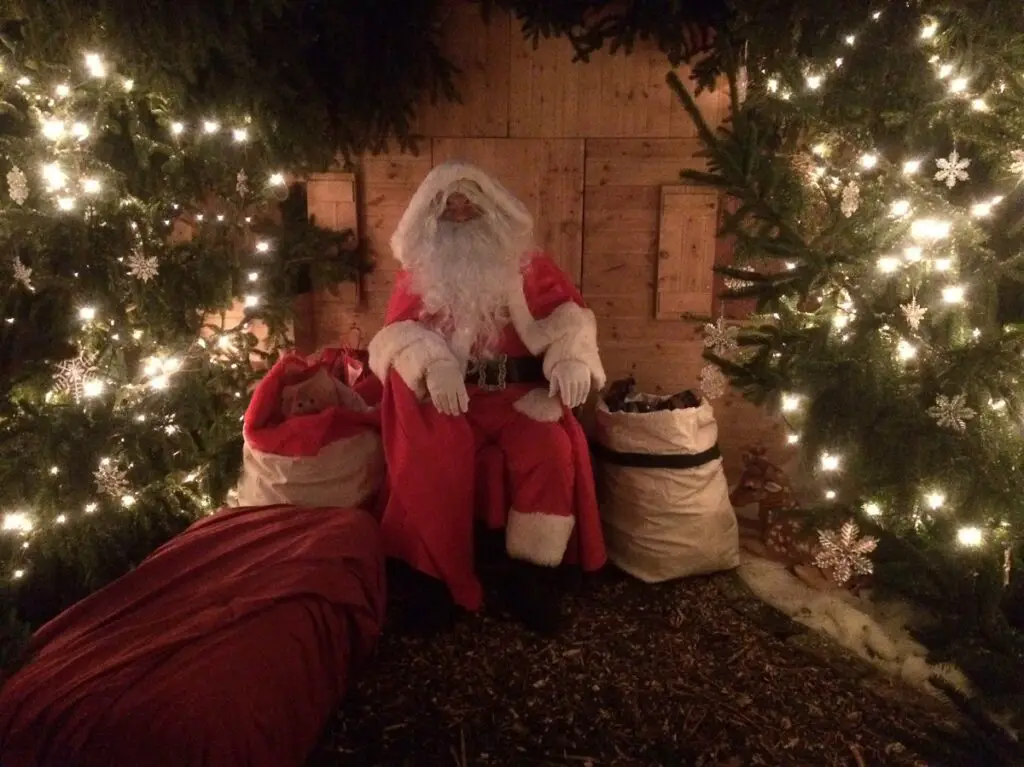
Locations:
534 596
424 604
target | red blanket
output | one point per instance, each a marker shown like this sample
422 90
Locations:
230 645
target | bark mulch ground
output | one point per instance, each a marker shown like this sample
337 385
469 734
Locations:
695 672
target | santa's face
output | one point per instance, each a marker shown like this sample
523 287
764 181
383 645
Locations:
465 266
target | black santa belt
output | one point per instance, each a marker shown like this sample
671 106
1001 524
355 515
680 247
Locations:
497 373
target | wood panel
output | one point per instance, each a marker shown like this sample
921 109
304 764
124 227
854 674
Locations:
482 52
617 96
686 252
547 175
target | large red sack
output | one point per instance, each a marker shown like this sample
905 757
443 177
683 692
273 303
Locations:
231 645
331 458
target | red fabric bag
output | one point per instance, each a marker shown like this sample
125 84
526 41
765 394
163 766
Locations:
329 458
230 645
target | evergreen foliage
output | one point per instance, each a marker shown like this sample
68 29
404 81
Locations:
127 239
877 269
323 77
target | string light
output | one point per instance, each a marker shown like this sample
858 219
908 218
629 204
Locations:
95 65
829 462
790 403
868 161
935 500
911 166
872 509
970 536
954 294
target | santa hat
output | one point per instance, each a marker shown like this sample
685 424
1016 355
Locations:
442 179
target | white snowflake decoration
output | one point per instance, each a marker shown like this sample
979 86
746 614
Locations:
22 274
111 479
1017 166
913 313
242 183
844 553
952 412
17 185
720 338
952 169
851 199
72 374
712 383
141 266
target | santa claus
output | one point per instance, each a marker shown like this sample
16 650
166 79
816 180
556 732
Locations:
486 348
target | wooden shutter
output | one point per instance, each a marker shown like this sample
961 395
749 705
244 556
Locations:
686 252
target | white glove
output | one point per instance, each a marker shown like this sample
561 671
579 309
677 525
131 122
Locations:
447 388
571 379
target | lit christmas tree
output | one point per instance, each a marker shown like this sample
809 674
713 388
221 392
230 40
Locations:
148 281
876 211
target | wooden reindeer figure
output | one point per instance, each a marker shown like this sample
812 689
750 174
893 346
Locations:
780 532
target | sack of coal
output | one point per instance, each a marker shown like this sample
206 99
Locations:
664 497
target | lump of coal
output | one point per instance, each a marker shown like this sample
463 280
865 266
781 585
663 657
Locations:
623 397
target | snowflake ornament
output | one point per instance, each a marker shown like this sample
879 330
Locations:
952 169
23 274
720 338
242 183
17 185
712 382
851 199
1017 166
844 553
913 313
952 412
141 266
111 479
72 374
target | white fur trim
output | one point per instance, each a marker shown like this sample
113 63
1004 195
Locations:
540 406
344 474
538 538
568 333
439 180
409 347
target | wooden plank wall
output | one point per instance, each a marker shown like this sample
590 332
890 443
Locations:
589 148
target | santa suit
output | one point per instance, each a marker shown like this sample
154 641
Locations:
428 508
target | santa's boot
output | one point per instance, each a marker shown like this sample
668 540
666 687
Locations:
534 596
426 605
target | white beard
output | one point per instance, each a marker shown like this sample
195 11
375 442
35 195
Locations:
463 273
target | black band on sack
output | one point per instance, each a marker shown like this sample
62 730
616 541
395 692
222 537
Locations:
656 460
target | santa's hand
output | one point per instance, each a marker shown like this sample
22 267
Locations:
447 388
571 379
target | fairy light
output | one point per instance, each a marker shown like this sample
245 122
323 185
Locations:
63 91
772 85
905 350
252 301
87 313
954 294
91 186
830 495
95 65
211 126
888 264
979 105
128 85
943 264
929 30
930 229
53 129
998 405
900 208
793 439
813 81
128 501
93 388
935 500
262 246
790 403
18 522
868 161
66 203
981 209
958 85
54 177
23 81
872 509
829 462
177 128
850 39
91 508
240 135
911 167
945 71
913 253
276 179
253 276
970 536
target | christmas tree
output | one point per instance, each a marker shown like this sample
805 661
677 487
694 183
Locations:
874 201
150 266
